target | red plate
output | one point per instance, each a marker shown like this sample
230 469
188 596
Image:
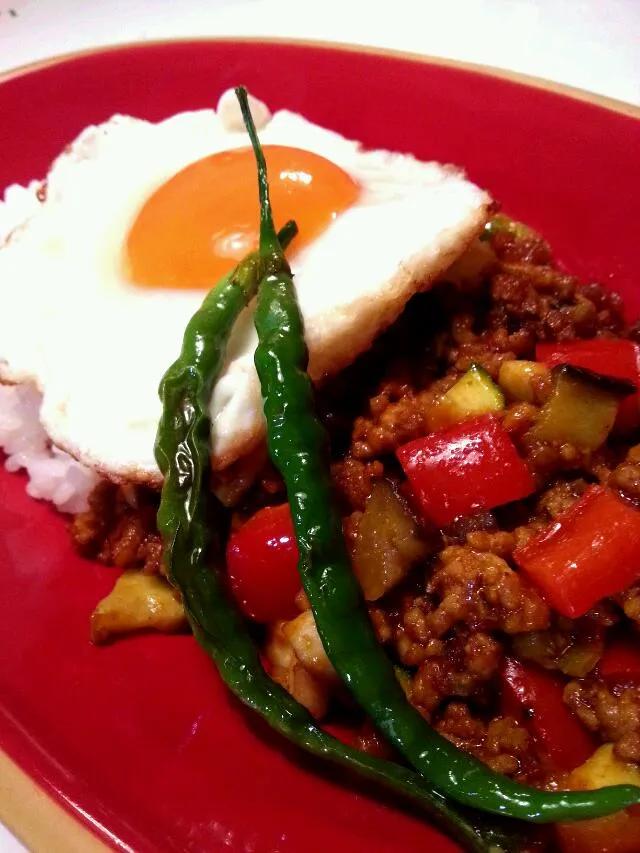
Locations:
139 739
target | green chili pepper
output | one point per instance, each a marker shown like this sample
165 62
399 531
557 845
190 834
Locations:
191 521
298 445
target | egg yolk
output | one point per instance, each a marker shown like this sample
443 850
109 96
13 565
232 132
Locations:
197 225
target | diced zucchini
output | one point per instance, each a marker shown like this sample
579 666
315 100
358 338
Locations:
501 222
582 407
519 379
474 394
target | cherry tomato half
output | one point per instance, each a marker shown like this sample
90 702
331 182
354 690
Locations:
262 563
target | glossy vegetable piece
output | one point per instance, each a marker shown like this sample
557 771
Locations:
502 222
388 543
137 602
619 833
303 636
590 552
520 379
300 678
582 408
619 359
262 562
475 393
191 520
298 445
575 656
536 696
620 664
469 467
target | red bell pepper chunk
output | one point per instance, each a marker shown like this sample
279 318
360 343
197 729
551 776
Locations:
590 552
262 564
617 358
620 664
611 357
536 696
472 465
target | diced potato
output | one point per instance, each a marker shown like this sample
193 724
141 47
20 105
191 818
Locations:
277 649
305 641
304 687
618 833
522 379
387 544
138 602
311 690
602 769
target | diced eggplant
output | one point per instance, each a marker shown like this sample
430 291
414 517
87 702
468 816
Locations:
582 407
574 656
474 394
388 542
523 380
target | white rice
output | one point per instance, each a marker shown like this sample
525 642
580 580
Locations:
53 475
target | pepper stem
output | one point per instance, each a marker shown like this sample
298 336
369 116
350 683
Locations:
268 237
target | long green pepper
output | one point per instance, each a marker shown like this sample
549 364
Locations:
298 445
191 521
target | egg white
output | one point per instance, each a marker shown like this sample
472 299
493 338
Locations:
96 345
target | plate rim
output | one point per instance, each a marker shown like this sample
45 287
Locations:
27 810
529 80
34 817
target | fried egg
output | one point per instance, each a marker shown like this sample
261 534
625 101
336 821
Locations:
102 266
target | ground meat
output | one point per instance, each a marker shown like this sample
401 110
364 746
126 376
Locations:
557 499
527 249
502 743
467 663
369 740
481 590
614 716
392 420
550 305
501 543
519 417
119 529
626 476
353 479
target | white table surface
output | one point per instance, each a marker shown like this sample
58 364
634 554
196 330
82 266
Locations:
592 44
